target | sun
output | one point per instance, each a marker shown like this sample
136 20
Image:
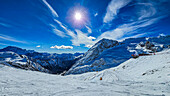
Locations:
78 16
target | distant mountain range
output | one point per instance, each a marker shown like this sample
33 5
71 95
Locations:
104 54
31 60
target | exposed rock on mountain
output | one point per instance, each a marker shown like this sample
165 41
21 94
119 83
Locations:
31 60
103 55
110 53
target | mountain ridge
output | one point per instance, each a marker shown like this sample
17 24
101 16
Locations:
32 60
118 53
105 54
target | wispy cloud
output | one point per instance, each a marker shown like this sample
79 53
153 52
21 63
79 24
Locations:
82 38
146 10
133 36
54 28
78 37
58 32
5 25
61 25
128 29
67 31
54 13
61 47
113 9
145 14
88 29
2 44
8 38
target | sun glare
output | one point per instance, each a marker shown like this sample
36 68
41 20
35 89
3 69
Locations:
78 16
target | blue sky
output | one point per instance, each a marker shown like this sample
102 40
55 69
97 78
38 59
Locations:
51 25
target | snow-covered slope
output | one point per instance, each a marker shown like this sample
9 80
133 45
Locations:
153 68
109 53
144 76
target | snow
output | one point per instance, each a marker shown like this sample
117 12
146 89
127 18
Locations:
88 62
110 53
144 76
18 82
31 60
134 68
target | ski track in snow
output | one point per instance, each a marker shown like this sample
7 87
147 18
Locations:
123 80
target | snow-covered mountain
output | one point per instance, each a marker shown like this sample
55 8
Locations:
144 76
20 61
109 53
103 55
17 50
31 60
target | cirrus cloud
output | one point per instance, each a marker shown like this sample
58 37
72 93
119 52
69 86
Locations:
54 13
113 8
128 29
140 16
9 38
